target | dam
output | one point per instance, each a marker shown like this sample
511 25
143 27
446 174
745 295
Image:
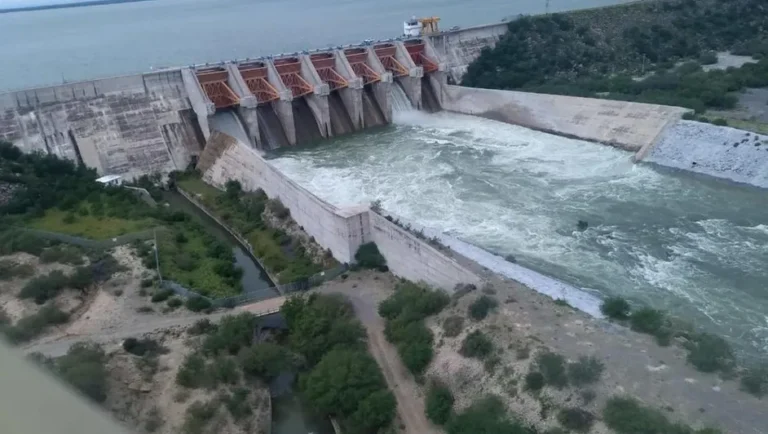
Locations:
329 130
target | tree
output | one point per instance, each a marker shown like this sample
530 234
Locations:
265 360
439 403
368 256
375 411
615 308
485 416
341 381
233 333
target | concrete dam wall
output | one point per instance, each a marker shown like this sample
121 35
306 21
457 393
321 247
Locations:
126 126
342 230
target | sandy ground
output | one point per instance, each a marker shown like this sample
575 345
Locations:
634 363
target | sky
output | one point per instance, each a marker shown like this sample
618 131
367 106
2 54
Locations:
7 4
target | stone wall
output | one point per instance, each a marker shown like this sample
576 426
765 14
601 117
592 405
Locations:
626 125
126 126
459 48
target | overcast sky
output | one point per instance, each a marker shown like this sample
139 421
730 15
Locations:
5 4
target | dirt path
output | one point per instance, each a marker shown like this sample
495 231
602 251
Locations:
410 402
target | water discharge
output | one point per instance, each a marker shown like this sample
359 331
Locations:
691 245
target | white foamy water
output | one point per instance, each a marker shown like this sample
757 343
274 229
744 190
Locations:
693 246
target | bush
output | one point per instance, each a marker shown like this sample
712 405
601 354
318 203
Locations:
44 288
476 345
278 209
233 333
63 254
162 295
479 309
576 419
201 327
552 367
710 353
198 304
439 403
627 416
720 122
485 416
237 403
141 347
193 373
265 360
11 270
415 301
534 381
615 308
174 302
368 256
31 326
197 417
452 326
587 370
708 58
84 367
146 283
755 381
647 320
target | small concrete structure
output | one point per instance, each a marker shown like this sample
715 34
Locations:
110 180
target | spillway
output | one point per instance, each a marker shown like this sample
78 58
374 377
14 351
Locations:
306 126
341 123
373 116
270 129
670 240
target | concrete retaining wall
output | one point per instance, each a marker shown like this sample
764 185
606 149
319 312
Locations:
342 230
126 126
627 125
459 48
413 259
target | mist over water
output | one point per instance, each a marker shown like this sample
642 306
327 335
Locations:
691 245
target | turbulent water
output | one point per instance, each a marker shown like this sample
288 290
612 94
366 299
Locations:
692 245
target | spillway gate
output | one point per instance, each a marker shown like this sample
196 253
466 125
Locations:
358 60
386 54
325 64
214 84
255 76
415 48
289 69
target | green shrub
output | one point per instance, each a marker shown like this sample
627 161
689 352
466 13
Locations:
141 347
615 308
4 318
720 122
162 295
84 367
201 327
647 320
146 283
587 370
479 309
485 416
11 270
237 403
576 419
710 353
224 371
452 326
198 416
627 416
193 373
63 254
198 304
439 403
278 209
31 326
44 288
417 301
708 58
265 360
368 256
476 345
534 381
552 367
755 381
174 302
82 278
233 333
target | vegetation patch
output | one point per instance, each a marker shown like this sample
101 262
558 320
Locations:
452 326
439 403
755 381
552 367
627 416
576 419
479 308
83 223
34 325
12 270
476 345
486 416
405 312
616 308
587 370
368 256
284 256
603 52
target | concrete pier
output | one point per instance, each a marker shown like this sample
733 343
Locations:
411 82
202 106
352 95
247 110
381 88
282 106
318 99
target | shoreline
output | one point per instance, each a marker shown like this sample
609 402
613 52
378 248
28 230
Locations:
81 4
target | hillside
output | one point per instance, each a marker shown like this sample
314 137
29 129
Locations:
648 51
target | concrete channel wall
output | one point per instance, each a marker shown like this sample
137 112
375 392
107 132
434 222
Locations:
342 230
626 125
128 126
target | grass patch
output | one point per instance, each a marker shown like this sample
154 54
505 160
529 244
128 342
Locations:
88 225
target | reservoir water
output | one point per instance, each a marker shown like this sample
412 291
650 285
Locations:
691 245
46 47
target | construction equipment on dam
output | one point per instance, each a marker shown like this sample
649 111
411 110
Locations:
421 26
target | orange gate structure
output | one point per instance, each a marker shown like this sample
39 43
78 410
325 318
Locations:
325 64
415 48
386 54
255 76
358 60
289 69
214 84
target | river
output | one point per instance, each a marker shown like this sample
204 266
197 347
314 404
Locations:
692 245
47 47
